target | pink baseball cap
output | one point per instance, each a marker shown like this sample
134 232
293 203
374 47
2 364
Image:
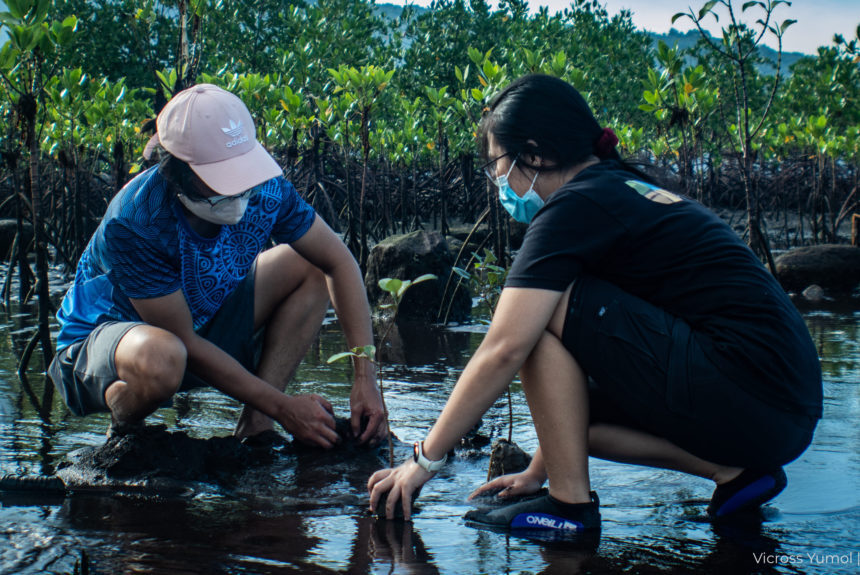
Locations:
212 131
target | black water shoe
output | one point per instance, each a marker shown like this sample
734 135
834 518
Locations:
542 514
746 493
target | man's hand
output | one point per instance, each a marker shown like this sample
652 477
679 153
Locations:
324 249
309 418
365 401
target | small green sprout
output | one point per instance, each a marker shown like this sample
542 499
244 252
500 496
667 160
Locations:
396 289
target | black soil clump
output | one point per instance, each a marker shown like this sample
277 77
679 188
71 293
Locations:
152 452
149 454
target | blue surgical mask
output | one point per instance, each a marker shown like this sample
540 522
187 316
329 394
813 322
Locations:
522 209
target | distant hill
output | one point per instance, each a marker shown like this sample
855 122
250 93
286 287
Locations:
393 11
688 40
683 39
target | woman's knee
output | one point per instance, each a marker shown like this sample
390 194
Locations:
550 342
152 359
559 316
549 353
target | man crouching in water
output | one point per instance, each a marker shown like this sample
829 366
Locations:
176 289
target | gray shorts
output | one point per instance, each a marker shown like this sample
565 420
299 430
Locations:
83 371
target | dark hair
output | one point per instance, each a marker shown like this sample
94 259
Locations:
553 115
179 175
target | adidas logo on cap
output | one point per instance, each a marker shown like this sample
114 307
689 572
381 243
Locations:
235 132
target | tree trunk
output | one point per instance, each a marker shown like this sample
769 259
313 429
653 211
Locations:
855 230
362 221
41 248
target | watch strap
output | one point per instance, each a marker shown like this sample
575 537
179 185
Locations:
428 465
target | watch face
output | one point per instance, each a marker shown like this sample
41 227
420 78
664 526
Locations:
415 452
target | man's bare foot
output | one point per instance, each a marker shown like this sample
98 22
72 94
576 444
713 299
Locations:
121 428
251 423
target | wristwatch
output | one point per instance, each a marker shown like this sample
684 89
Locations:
426 464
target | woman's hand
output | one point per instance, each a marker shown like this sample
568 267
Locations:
400 483
511 485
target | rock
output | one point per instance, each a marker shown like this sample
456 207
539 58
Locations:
407 257
470 232
458 235
8 229
153 462
815 294
833 267
507 457
398 508
455 246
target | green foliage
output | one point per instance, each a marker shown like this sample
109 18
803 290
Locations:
683 99
397 289
485 278
335 79
363 352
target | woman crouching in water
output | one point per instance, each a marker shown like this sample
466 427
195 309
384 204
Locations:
643 329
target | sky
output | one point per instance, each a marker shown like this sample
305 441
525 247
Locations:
817 20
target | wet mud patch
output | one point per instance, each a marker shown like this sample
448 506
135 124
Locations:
153 461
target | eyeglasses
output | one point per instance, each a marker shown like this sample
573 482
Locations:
490 167
214 201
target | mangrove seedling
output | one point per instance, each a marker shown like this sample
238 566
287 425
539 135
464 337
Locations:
396 288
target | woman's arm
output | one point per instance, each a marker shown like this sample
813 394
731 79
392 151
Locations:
521 317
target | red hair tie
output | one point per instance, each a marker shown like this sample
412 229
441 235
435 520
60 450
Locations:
605 144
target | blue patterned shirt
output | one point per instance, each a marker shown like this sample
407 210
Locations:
144 248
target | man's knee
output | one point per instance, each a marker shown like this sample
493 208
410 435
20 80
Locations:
281 269
152 359
316 283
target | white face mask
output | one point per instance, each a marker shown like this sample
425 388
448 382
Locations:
226 212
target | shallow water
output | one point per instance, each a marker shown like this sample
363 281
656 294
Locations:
308 516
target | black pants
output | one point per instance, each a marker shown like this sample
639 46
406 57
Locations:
647 371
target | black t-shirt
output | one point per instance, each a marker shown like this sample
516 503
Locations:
678 255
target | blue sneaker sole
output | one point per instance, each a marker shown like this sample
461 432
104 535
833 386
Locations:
586 539
751 497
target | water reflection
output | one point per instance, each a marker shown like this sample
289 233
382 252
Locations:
395 544
216 537
306 513
412 344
